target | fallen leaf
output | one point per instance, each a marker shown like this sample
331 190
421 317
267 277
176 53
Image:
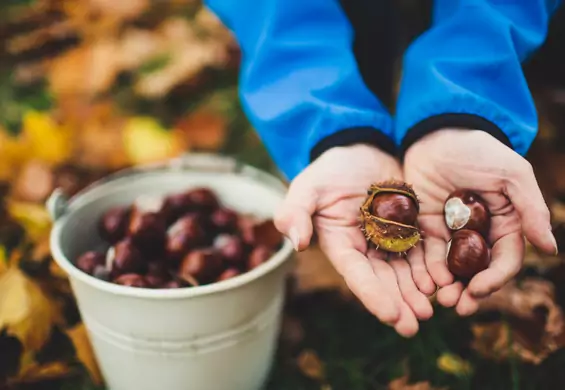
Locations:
123 9
85 354
25 311
33 217
536 323
403 383
454 364
292 332
3 260
14 152
47 140
86 70
146 141
34 182
310 364
203 129
35 372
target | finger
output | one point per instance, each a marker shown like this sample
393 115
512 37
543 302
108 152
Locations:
526 196
507 257
417 301
407 325
448 296
466 305
420 274
435 252
294 217
372 290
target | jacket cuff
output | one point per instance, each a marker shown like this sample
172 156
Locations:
452 121
352 136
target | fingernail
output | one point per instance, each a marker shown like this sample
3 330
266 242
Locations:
294 237
554 242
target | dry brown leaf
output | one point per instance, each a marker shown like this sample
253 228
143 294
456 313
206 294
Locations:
85 354
25 311
86 70
310 364
34 372
536 323
146 141
123 9
292 331
34 182
204 129
403 383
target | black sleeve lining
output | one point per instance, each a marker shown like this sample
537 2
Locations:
352 136
463 121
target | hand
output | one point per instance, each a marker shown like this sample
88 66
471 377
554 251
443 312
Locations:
452 159
327 196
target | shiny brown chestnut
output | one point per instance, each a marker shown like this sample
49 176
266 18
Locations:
257 232
203 199
228 274
157 274
113 224
132 280
395 207
231 248
258 256
201 264
224 220
468 254
465 209
89 261
125 258
185 234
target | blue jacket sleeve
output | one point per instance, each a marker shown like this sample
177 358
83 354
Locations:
299 82
466 71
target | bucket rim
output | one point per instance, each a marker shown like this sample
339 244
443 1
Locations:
277 260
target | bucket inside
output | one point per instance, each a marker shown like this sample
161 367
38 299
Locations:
77 230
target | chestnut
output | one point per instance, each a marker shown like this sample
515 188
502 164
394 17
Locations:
201 264
147 230
124 258
185 234
113 224
230 247
203 199
258 256
228 274
157 274
465 209
260 232
224 220
88 261
395 207
468 254
132 280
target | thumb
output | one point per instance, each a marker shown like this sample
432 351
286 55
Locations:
294 216
526 196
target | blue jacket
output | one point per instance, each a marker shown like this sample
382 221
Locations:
301 88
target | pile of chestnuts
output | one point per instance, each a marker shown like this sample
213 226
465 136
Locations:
389 221
181 240
467 216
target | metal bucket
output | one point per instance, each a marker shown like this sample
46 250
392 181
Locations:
214 337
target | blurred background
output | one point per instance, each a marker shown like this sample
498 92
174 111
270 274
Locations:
88 87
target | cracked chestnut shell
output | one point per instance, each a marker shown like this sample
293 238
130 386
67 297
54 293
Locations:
388 216
465 209
468 254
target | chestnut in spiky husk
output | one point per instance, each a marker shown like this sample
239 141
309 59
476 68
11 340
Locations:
468 254
389 215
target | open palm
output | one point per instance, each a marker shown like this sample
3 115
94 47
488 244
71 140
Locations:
464 159
326 197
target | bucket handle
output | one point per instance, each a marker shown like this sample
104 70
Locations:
56 204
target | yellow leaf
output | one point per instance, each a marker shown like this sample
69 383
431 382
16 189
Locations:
146 141
3 260
47 140
33 217
85 354
25 311
453 364
310 364
14 152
